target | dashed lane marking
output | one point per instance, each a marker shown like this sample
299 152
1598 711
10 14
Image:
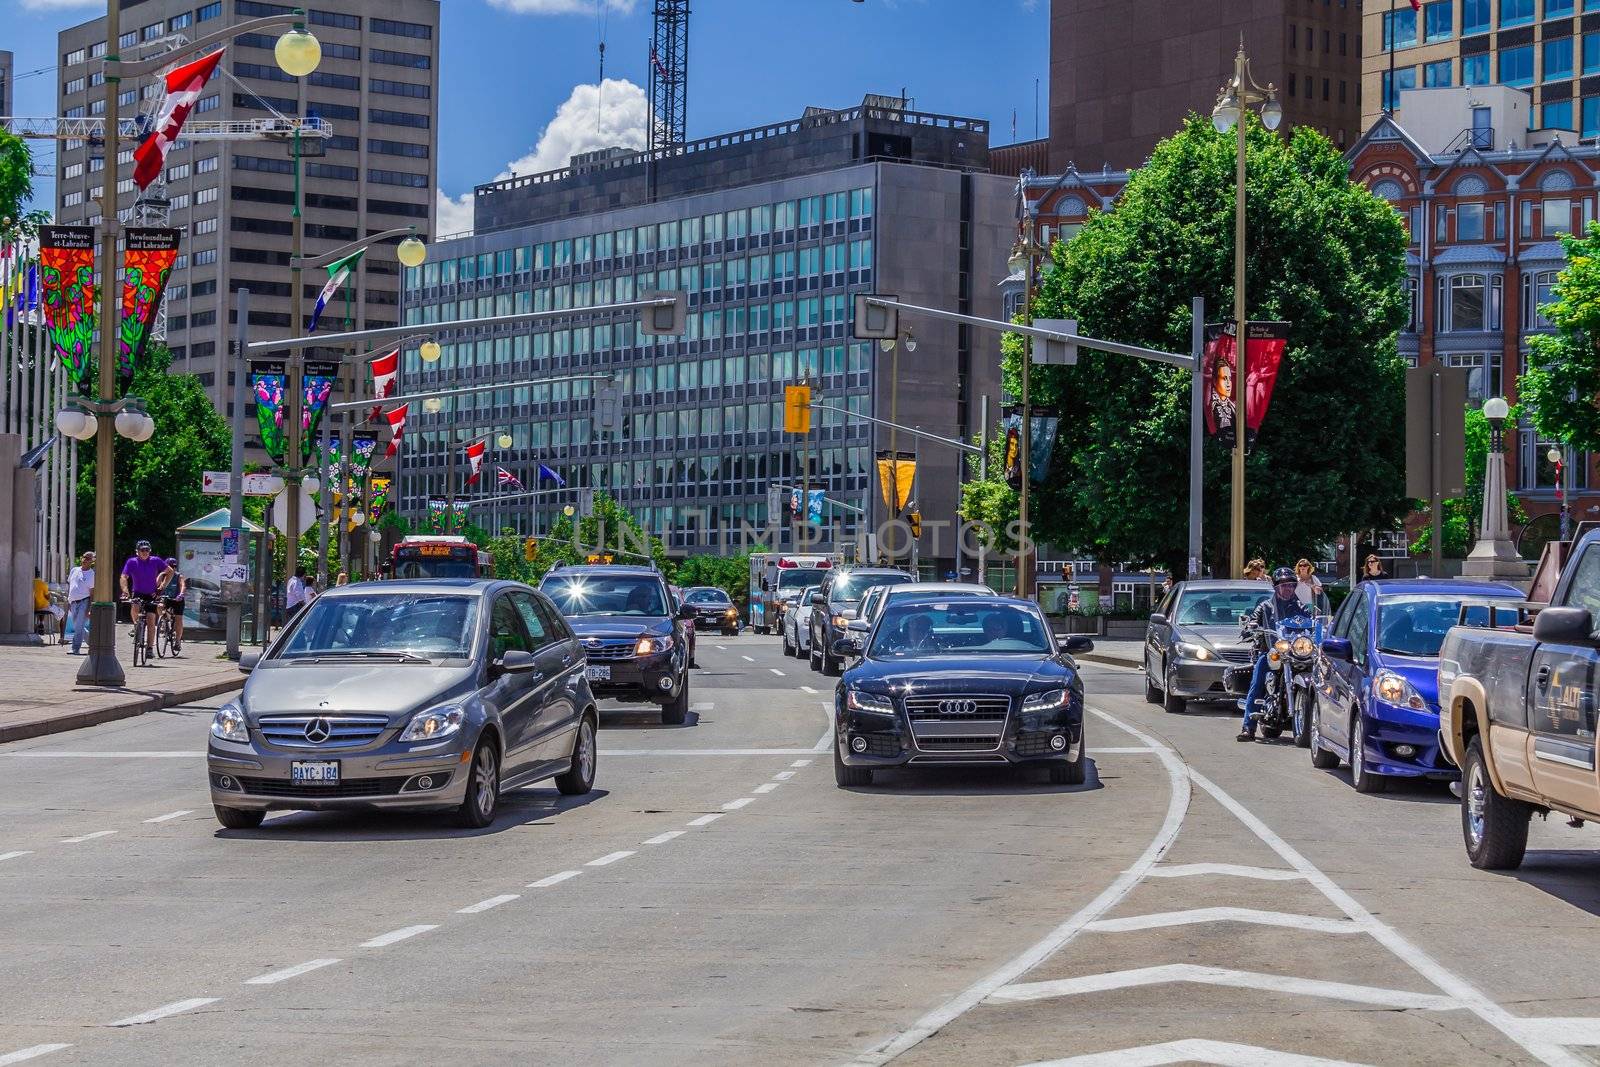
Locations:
546 883
30 1053
1193 916
86 837
169 816
776 671
610 858
175 1008
765 787
1232 870
801 763
706 820
808 689
274 977
485 905
1195 1050
748 659
661 839
1223 976
385 940
735 805
13 855
721 648
783 776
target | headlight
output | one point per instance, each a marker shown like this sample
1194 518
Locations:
649 646
435 723
228 723
1280 645
1391 688
1050 698
856 700
840 622
1199 652
731 613
1302 646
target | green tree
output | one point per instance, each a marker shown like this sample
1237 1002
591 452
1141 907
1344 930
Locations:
1563 375
991 501
1461 514
1324 255
16 185
731 574
158 482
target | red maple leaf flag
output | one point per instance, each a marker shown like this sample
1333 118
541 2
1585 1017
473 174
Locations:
475 453
183 93
385 372
1416 5
397 425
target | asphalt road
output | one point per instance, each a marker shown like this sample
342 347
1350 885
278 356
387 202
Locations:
717 901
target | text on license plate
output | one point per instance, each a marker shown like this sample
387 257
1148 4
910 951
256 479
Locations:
314 773
599 674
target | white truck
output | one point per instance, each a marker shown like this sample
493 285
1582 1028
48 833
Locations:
776 579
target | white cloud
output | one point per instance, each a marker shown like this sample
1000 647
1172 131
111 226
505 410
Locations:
58 5
613 114
563 7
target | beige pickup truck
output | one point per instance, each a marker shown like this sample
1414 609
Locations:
1517 715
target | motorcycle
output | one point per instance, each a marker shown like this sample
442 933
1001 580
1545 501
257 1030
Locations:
1289 686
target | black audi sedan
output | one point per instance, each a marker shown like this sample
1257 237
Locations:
976 680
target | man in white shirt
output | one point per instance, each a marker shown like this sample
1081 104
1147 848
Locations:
295 595
80 587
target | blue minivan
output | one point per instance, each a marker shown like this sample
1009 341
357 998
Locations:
1377 703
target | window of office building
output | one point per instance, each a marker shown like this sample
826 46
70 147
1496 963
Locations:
1399 29
1475 70
1436 75
1474 16
1556 115
401 29
1393 84
1437 20
1515 12
1557 59
1557 8
1516 66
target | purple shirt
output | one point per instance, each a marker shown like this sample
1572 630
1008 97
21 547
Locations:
142 574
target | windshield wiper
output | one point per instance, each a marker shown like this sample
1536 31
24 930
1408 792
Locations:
332 657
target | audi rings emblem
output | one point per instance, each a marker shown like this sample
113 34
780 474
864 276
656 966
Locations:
318 730
958 707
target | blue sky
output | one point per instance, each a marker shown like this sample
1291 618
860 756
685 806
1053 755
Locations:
510 65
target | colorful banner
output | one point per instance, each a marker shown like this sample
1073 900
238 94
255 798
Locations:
269 381
147 260
460 517
361 453
377 500
814 506
438 508
316 382
1265 343
1042 442
66 266
897 472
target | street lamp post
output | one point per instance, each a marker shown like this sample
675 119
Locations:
1233 101
1555 457
1025 257
1494 556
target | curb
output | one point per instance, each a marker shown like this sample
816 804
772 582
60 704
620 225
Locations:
147 701
1108 661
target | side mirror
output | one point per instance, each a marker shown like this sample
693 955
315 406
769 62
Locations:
1158 619
818 600
248 660
849 645
858 626
1338 648
515 661
1563 626
685 611
1077 643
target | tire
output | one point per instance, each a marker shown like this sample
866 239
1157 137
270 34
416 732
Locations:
1494 828
164 637
483 788
789 649
238 818
676 711
831 666
849 777
1152 692
1363 780
141 651
1174 705
1302 701
579 777
1272 733
811 653
1322 759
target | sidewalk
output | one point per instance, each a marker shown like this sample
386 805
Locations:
41 694
1115 652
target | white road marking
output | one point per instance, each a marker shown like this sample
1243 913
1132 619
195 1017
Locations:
1222 976
32 1052
735 805
801 763
661 839
776 671
706 820
1559 1031
175 1008
783 776
169 816
722 648
76 754
385 940
1234 870
609 858
748 659
86 837
546 883
701 705
808 689
765 787
485 905
1156 920
274 977
1195 1050
1128 751
13 855
704 751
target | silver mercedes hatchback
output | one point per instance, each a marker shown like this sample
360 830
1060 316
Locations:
406 695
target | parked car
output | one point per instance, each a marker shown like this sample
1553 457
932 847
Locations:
633 635
409 696
1378 704
839 598
1518 716
959 681
713 609
1192 639
797 625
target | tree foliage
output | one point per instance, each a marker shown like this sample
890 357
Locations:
1461 514
16 183
990 501
1562 382
1323 254
731 574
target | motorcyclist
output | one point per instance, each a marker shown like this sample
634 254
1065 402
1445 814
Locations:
1261 625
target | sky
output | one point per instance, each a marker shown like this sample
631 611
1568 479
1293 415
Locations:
520 87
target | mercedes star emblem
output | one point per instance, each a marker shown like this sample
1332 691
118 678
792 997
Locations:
318 730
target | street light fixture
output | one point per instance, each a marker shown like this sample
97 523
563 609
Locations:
298 53
77 422
433 405
412 252
1555 457
504 440
429 351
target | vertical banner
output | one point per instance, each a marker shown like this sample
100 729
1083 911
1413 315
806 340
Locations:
1265 343
361 452
268 380
1217 372
66 267
896 473
437 508
1012 425
459 519
377 500
814 507
317 387
147 260
1042 442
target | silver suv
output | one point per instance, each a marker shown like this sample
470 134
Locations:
407 695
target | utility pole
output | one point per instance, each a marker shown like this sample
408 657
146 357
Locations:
1197 432
241 400
983 476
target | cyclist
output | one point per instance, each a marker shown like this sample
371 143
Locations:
173 588
141 583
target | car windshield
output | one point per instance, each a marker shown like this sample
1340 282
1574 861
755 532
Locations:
1416 625
707 596
798 577
419 624
852 587
956 627
1220 607
607 594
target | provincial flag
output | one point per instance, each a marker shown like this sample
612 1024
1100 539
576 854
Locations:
506 478
397 425
385 372
338 274
546 474
183 93
475 453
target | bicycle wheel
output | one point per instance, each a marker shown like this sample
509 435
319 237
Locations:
140 653
164 635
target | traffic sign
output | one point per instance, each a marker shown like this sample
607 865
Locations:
220 483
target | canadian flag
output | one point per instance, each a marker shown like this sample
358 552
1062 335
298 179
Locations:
385 371
475 453
397 426
183 93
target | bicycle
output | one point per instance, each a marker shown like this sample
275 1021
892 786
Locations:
141 647
165 636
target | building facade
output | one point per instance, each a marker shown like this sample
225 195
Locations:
233 200
1125 73
771 232
8 70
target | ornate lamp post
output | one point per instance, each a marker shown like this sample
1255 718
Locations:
1556 458
1494 556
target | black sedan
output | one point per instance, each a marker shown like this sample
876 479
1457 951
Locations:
713 609
974 680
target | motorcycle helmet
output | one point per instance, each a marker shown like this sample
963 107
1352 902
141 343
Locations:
1282 575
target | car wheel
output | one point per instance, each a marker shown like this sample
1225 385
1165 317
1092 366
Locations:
579 778
811 652
789 647
1322 759
483 788
1494 827
731 633
1360 777
239 818
676 711
1075 772
849 777
1302 718
1152 692
1174 705
831 665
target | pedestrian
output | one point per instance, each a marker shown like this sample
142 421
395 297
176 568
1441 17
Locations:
1309 588
1372 568
295 595
1256 570
80 587
343 579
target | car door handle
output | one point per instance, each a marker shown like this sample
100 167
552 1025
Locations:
1543 676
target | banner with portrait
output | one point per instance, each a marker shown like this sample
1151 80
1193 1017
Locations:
147 259
1265 343
269 381
66 268
1041 445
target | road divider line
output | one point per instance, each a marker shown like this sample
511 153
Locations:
177 1007
701 705
1232 870
86 837
801 763
748 659
13 855
765 787
1194 916
485 905
385 940
776 671
274 977
706 820
1224 976
169 816
705 751
30 1053
546 883
1130 750
721 648
808 689
610 858
783 776
735 805
661 839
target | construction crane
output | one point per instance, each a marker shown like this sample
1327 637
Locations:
669 75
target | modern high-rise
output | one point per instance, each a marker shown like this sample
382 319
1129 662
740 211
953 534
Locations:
377 87
771 231
7 72
1551 48
1125 73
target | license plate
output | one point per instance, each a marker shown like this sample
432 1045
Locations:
599 674
319 773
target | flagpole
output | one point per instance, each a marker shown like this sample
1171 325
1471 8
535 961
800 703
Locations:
1388 106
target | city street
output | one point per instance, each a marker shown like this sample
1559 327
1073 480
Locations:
717 900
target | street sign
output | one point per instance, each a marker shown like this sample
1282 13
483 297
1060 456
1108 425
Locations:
774 503
1425 385
307 516
1056 353
220 483
874 322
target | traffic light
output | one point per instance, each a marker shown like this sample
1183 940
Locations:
914 519
530 549
607 406
797 409
665 320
